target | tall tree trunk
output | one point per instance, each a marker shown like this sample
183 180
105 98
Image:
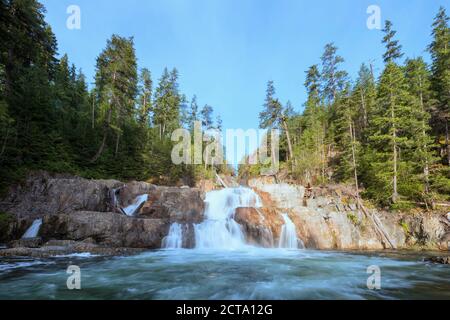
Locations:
363 104
288 137
117 144
93 112
106 124
394 145
355 170
105 135
426 170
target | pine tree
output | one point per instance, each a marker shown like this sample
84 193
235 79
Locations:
363 96
271 114
390 132
206 116
309 149
332 77
287 113
346 141
219 123
145 97
167 102
270 117
193 113
116 87
440 79
393 48
418 75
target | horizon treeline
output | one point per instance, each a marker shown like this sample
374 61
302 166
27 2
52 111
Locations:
50 120
387 137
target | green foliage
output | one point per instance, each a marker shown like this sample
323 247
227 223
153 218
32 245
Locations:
50 120
5 221
353 219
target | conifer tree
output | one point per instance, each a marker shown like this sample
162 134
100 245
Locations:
393 48
440 79
116 87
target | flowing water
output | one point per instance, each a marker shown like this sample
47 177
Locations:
131 209
33 230
219 230
227 274
223 266
175 238
288 237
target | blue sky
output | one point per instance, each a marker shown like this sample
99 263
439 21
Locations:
227 50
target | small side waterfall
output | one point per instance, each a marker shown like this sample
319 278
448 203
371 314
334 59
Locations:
131 209
288 237
220 230
33 230
174 239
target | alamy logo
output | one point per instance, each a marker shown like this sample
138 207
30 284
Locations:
237 142
374 20
74 280
73 22
374 280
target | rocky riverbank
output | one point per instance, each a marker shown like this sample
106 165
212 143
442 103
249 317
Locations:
110 217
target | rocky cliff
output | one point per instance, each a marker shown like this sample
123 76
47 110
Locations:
331 218
108 215
76 209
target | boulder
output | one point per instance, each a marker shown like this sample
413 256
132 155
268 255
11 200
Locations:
441 260
75 247
179 205
109 229
26 243
128 192
261 225
42 194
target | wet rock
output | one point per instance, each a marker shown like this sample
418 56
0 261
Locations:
290 196
59 243
111 229
128 193
322 219
441 260
260 225
179 205
75 247
43 194
26 243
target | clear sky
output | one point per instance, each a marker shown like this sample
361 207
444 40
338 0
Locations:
227 50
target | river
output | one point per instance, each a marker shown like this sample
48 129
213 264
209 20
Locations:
249 273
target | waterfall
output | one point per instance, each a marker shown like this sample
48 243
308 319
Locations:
33 231
131 209
174 239
288 237
220 230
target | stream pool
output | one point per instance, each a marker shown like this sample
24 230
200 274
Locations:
247 273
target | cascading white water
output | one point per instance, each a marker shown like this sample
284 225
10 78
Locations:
131 209
288 237
33 230
174 239
220 230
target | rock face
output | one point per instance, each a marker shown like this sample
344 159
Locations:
42 194
441 260
77 209
182 205
110 229
329 218
176 205
80 214
261 225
